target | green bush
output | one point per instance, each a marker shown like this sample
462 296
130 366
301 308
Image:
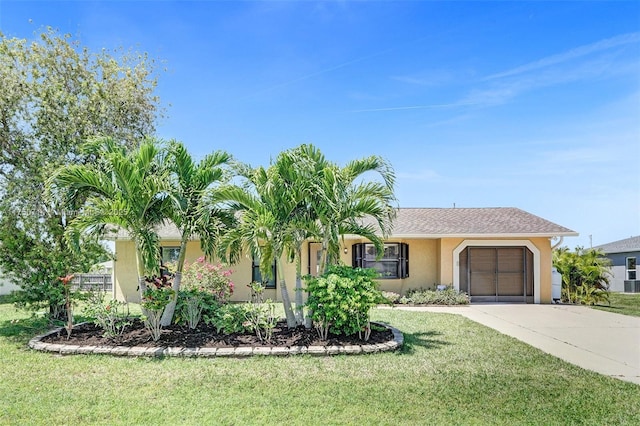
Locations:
391 296
585 275
228 318
340 300
154 300
112 316
448 296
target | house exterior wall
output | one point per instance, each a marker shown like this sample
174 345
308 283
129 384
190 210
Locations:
423 265
619 269
431 261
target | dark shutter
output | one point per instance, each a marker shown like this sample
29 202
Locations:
404 261
356 254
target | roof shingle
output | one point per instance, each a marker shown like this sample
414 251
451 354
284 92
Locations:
449 222
621 246
473 221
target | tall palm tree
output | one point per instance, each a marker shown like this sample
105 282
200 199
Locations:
349 204
195 208
124 190
297 170
270 203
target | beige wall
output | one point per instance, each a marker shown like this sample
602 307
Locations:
126 274
430 262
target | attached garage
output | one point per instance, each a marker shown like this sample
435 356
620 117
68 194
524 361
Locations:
497 274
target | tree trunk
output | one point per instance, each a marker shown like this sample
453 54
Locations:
169 311
142 284
298 296
286 301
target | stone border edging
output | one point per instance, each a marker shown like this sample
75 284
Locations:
37 344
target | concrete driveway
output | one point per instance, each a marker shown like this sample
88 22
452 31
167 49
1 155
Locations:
600 341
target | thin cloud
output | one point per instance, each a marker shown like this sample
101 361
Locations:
409 107
572 54
315 74
423 175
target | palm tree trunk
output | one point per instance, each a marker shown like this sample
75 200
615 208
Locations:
324 258
142 284
298 296
169 310
286 301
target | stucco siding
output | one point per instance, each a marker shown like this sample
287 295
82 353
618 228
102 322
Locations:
125 272
431 261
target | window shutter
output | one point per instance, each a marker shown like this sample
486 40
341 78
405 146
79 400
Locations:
404 260
356 254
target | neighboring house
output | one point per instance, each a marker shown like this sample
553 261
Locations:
105 268
624 256
494 254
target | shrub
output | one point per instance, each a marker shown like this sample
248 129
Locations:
189 308
209 278
391 296
228 318
154 300
340 300
204 288
260 315
112 316
448 296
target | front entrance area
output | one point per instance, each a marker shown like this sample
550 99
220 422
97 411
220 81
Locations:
497 274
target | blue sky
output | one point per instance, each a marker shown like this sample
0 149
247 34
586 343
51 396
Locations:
533 105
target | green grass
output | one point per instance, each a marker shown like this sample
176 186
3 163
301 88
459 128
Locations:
621 303
450 371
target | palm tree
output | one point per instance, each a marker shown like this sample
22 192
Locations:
585 274
263 207
121 189
346 206
297 170
195 206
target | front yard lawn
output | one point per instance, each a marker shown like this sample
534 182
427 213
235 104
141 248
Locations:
451 371
623 303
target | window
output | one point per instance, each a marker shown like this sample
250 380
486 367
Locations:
256 275
394 262
631 268
169 259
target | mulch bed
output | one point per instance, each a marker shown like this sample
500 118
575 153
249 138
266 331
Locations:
205 336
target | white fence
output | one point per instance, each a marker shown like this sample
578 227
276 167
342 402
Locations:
93 282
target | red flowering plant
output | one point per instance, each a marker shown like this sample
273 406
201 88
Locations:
204 287
210 278
154 299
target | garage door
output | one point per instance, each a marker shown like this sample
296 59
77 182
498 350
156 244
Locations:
497 274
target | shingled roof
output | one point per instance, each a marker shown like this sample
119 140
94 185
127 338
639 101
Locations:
465 222
451 222
622 246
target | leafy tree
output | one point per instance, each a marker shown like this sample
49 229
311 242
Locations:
54 95
195 208
585 275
